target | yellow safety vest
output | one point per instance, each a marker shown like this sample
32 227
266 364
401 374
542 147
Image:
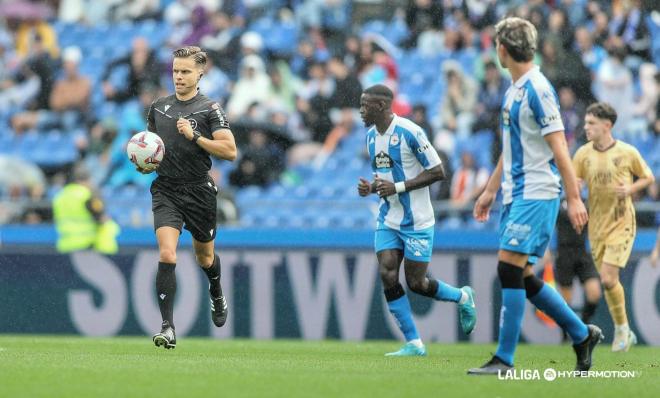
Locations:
75 225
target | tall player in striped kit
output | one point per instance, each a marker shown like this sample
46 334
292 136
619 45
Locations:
534 155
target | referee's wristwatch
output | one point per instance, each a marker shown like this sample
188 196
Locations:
195 136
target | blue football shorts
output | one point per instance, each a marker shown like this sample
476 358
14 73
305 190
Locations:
416 245
526 226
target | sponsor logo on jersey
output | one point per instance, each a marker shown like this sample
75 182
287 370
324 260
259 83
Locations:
167 107
422 149
383 161
549 119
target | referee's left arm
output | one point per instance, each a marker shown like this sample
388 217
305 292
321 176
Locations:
222 145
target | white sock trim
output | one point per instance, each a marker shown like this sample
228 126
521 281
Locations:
464 297
417 343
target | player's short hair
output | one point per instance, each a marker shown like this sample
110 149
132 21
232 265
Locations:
602 110
380 90
518 36
191 51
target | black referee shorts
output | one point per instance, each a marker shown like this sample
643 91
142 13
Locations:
191 205
574 261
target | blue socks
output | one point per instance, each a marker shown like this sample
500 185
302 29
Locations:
399 306
552 303
511 317
447 292
512 312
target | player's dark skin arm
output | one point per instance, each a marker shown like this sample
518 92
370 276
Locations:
427 177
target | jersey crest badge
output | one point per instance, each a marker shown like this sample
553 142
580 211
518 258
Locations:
383 161
394 141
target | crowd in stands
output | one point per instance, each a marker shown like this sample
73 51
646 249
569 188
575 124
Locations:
76 78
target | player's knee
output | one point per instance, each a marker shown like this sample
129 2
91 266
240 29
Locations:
204 260
609 281
168 256
389 277
417 285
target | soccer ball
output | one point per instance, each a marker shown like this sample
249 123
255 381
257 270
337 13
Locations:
146 150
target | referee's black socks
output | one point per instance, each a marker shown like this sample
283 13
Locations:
213 273
166 290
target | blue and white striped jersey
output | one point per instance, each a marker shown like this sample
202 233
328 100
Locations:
402 153
530 110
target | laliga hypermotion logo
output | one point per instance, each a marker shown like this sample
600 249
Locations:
551 374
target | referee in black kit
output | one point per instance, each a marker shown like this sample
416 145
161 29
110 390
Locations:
192 127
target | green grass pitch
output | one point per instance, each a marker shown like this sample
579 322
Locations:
50 366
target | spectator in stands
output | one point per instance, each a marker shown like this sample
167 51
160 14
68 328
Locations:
351 52
468 182
18 84
68 103
315 101
215 83
34 36
458 106
143 69
83 11
251 87
283 87
421 16
628 23
645 106
489 99
420 117
135 10
592 54
565 68
200 26
480 13
347 86
552 55
613 85
560 28
223 42
600 29
42 64
332 15
80 218
487 110
572 113
575 11
258 164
